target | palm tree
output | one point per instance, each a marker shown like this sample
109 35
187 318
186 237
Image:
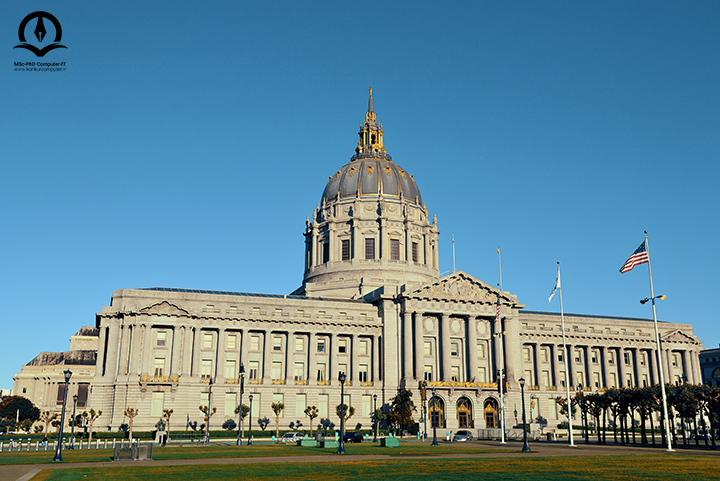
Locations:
243 411
90 417
311 412
131 413
277 408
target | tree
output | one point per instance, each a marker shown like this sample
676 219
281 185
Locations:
13 407
229 425
166 416
342 409
46 418
401 408
277 408
90 418
243 411
311 412
263 422
131 413
208 414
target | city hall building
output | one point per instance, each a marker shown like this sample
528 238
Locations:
373 305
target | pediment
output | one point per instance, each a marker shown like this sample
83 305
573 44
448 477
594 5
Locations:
464 287
164 308
678 336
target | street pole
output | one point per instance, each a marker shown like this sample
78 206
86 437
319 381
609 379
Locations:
525 447
58 451
209 408
376 419
242 388
341 447
250 418
72 429
434 421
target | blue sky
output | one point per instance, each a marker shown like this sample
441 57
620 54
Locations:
186 143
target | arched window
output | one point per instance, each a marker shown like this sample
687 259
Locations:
464 413
436 408
491 413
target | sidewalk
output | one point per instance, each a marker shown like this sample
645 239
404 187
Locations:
539 449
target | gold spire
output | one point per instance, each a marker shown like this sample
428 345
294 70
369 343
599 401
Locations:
371 134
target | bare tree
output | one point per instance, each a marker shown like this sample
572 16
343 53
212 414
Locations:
131 413
277 408
311 412
90 417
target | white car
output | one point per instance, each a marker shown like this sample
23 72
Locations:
291 438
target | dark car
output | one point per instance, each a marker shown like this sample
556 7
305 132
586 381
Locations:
353 437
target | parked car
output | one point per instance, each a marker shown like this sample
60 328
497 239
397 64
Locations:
291 438
353 437
463 435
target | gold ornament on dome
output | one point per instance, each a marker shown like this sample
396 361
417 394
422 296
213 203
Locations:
370 169
388 170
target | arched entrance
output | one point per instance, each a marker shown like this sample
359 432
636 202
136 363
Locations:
436 408
491 413
464 413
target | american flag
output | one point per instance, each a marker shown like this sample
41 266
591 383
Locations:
640 256
497 310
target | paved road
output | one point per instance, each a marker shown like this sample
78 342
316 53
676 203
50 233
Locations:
25 472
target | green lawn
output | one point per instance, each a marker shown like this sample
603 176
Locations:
664 466
230 451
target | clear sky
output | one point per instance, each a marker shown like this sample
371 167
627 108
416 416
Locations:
186 142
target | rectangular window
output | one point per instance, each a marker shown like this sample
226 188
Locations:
481 350
60 393
613 380
206 368
642 358
363 373
363 347
230 371
300 404
560 356
369 248
254 369
415 252
321 376
255 412
161 338
674 360
578 356
278 312
428 348
321 345
628 380
156 406
366 405
562 378
394 249
231 342
454 349
207 341
529 378
342 368
596 379
279 398
277 343
159 366
323 405
342 346
455 373
482 375
611 357
645 381
230 404
277 370
594 356
626 356
579 379
255 342
526 354
326 252
546 378
299 371
299 344
544 354
345 249
82 394
428 373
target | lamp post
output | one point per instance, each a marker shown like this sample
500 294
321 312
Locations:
433 404
376 419
72 428
522 398
424 408
209 409
250 422
242 388
341 447
58 451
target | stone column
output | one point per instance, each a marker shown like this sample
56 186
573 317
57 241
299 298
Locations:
687 370
605 367
220 368
570 363
407 345
538 364
187 346
621 367
146 367
445 334
376 359
175 350
472 354
333 371
197 343
555 381
512 344
100 354
112 351
267 359
124 354
289 364
419 347
354 360
668 366
312 358
244 340
655 377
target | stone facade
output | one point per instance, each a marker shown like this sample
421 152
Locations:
710 366
373 305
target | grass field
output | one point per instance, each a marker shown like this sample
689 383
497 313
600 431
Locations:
663 467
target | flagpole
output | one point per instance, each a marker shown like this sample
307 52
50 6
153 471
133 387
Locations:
567 365
500 266
659 353
501 371
453 244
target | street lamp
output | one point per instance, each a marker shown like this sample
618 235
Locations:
250 426
424 406
242 388
209 409
341 447
522 397
58 451
72 429
661 297
376 419
433 403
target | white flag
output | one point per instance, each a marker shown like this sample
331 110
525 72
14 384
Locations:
557 286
